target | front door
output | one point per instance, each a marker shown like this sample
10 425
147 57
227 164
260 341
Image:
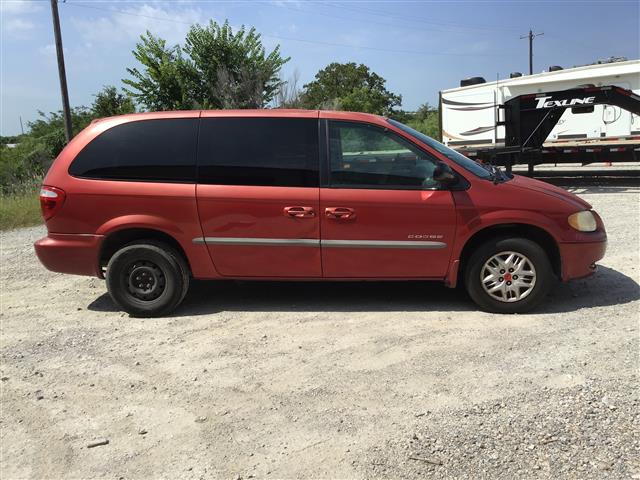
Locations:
383 215
258 195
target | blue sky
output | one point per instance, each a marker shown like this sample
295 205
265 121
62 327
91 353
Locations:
420 47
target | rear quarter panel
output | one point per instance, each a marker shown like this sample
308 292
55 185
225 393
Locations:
102 207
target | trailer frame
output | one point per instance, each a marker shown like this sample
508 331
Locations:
529 118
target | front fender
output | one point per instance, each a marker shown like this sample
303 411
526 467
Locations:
469 227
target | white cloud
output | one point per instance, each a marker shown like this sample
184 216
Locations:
130 23
480 46
49 51
14 24
17 26
286 3
19 7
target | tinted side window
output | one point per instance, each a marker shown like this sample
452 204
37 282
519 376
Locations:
368 156
259 151
156 150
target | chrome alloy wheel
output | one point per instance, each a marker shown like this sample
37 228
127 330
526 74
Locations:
508 277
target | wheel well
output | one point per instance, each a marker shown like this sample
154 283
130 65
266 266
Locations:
116 240
536 234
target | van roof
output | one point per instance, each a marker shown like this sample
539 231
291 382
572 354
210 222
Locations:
258 113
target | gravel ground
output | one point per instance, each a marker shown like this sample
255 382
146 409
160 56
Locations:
362 380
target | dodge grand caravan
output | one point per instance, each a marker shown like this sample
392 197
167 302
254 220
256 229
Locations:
150 201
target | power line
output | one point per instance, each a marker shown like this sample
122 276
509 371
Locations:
374 22
581 44
279 37
122 12
436 23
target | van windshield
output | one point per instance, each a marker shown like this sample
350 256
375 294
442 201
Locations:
466 163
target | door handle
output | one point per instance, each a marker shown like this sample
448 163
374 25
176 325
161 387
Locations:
299 212
340 213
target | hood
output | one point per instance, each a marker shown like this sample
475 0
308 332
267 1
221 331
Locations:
543 187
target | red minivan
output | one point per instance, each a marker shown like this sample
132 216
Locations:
149 201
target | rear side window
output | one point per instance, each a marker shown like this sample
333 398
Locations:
259 151
162 150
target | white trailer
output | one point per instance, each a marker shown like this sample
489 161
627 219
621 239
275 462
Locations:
469 114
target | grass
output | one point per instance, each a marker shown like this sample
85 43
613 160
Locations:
20 209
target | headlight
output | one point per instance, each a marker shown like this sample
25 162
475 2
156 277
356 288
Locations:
583 221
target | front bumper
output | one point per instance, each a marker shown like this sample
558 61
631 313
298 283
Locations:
579 259
70 253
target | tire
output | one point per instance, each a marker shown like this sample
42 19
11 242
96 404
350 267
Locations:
486 264
147 278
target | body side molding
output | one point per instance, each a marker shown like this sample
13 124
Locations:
311 242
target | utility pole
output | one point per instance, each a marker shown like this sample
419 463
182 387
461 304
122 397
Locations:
66 110
531 36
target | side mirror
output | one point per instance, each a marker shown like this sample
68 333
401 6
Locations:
444 175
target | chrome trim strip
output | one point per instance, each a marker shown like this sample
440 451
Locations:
274 242
310 242
382 244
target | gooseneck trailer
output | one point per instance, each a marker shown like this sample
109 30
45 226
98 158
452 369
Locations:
548 119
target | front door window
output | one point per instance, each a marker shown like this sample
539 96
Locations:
366 156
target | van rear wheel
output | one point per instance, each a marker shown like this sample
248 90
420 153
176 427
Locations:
147 278
508 275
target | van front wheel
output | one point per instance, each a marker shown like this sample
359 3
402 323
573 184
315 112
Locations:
508 275
147 278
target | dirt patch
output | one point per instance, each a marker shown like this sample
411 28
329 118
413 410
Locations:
244 381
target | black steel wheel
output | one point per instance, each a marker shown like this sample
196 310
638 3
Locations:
147 278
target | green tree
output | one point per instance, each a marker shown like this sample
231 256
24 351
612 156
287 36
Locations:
289 94
11 139
27 162
402 116
426 120
230 70
110 102
216 68
49 128
160 84
29 159
347 86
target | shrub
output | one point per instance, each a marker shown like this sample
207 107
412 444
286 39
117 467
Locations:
27 161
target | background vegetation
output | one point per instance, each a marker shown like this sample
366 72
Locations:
24 159
216 68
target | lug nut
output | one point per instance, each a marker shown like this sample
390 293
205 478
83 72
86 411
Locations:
508 283
515 277
500 279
